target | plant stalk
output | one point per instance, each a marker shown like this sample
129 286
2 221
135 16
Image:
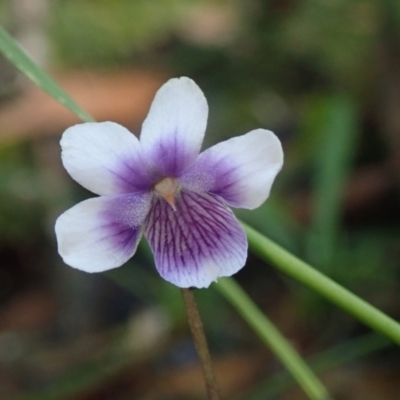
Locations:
322 284
200 342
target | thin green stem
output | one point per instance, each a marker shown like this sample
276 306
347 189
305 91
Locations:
334 357
305 274
17 56
200 342
273 338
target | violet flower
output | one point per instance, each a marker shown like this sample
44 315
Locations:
161 187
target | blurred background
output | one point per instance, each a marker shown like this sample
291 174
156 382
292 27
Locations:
324 75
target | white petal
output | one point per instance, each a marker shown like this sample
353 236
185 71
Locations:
240 170
105 158
173 131
101 233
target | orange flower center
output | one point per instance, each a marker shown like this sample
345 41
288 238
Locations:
167 188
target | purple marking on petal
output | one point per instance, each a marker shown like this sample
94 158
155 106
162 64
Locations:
102 233
106 159
240 170
128 210
207 174
171 157
199 242
134 174
173 131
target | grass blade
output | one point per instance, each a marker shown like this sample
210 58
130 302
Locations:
17 56
320 283
267 331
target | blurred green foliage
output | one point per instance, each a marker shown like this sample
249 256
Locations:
104 33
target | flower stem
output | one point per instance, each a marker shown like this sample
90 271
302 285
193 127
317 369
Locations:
200 342
320 283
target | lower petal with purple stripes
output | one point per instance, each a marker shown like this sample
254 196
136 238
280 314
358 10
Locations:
196 243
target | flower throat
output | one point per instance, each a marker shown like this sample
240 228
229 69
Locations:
167 188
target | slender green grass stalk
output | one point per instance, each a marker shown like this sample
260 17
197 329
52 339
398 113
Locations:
320 283
267 331
17 56
334 357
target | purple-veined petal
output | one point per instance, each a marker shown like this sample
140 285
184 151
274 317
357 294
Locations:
174 129
101 233
199 242
241 170
105 158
